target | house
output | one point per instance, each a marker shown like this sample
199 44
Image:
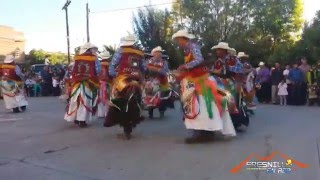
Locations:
12 42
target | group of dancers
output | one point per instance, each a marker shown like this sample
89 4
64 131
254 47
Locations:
213 94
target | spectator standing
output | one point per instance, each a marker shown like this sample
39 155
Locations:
47 61
56 85
29 86
37 90
305 68
263 78
276 78
288 82
61 73
297 79
282 92
46 81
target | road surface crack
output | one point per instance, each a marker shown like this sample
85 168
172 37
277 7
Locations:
53 151
268 148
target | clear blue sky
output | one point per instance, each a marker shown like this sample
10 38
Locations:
43 21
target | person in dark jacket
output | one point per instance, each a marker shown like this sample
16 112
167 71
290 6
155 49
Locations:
276 77
46 84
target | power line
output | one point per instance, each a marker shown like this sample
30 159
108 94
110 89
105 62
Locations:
124 9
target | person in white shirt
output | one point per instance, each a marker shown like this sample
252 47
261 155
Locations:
29 86
286 74
283 92
56 86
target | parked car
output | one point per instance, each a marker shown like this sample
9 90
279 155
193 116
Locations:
37 68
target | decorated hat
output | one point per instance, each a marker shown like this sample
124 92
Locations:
86 47
232 51
9 59
242 55
221 45
157 49
129 40
183 33
105 55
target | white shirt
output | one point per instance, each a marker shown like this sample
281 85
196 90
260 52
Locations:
249 81
282 89
55 82
286 74
30 82
47 61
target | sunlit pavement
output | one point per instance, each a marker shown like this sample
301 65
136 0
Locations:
39 144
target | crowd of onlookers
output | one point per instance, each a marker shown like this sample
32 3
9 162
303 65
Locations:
45 83
280 84
283 84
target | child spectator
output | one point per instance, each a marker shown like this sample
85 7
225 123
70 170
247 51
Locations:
37 87
56 85
29 86
282 92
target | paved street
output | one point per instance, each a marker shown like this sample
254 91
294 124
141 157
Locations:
39 144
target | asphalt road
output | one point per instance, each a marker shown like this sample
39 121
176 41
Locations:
39 144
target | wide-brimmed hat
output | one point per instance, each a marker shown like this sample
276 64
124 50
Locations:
183 33
9 59
129 40
242 55
105 55
157 49
221 45
232 51
86 47
261 63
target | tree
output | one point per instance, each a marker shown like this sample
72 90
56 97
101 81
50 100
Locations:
257 27
154 28
309 45
110 49
214 20
39 56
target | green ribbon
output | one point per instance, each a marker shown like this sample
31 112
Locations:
207 95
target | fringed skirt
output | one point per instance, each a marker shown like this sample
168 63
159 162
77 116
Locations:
83 102
13 94
125 103
204 107
104 92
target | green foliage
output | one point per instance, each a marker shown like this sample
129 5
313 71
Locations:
154 28
110 49
258 27
267 30
39 56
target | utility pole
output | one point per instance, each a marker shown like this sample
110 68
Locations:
65 7
88 34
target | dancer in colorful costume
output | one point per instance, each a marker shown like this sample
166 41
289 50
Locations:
85 85
205 108
248 84
12 86
229 72
126 69
105 81
66 83
159 69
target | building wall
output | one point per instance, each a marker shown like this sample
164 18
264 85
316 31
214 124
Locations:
10 41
